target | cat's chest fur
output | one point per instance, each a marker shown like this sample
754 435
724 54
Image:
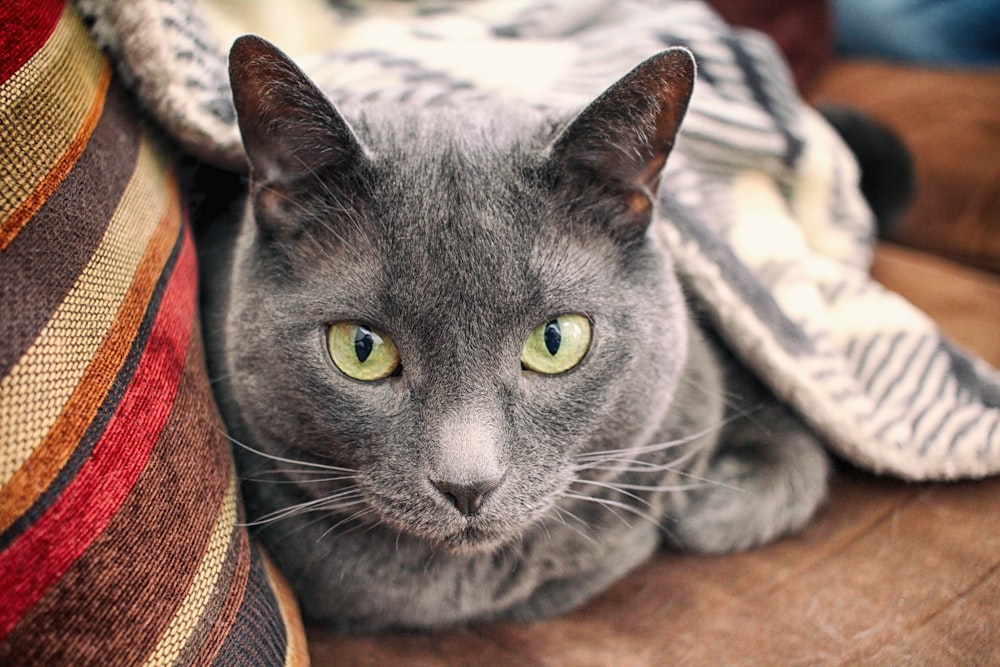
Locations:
461 373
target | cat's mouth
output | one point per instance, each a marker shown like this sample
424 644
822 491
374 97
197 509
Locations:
447 528
475 534
474 539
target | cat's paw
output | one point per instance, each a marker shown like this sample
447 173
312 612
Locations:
758 490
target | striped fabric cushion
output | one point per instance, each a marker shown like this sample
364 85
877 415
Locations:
120 533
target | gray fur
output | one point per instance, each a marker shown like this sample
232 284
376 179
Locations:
458 234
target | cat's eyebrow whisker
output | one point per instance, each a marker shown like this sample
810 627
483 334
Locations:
307 212
340 208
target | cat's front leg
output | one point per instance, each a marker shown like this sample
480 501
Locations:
557 597
766 478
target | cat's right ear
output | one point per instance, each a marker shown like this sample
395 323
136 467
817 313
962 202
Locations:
290 129
622 140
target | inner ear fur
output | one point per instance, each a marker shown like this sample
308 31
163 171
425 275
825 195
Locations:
292 134
624 137
289 127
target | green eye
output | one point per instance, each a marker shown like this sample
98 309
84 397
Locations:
558 345
361 352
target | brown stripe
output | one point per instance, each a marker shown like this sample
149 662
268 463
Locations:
13 224
49 455
42 263
231 571
230 609
119 596
213 576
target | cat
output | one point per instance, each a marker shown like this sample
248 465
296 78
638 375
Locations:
463 378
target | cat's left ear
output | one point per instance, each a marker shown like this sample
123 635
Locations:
623 138
290 129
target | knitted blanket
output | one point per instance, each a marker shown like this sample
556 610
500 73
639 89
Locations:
759 202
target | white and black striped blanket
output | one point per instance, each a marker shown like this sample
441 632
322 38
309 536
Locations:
759 203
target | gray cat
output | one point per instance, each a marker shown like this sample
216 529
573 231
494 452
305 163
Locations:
465 381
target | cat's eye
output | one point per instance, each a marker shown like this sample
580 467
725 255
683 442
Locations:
361 352
557 345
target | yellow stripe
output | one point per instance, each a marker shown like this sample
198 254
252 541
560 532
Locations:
37 389
51 454
188 615
43 108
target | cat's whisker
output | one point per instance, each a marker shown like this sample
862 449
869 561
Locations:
646 467
348 474
373 525
725 395
639 466
604 456
309 475
356 515
264 480
624 487
611 509
672 464
282 459
560 511
636 451
732 401
302 508
614 487
333 502
545 529
302 525
609 504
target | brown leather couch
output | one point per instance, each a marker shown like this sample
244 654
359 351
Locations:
889 573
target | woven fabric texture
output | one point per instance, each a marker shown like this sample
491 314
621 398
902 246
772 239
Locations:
120 524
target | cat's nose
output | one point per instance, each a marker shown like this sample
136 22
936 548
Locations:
467 498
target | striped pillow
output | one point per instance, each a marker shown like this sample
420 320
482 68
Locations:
120 533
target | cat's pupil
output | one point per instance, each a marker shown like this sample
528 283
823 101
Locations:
363 343
553 337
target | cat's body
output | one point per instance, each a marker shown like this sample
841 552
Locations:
463 483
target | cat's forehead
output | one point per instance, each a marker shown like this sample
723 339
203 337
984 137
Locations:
456 219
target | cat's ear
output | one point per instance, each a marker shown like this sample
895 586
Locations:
290 129
624 136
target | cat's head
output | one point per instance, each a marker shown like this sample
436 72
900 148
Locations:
453 304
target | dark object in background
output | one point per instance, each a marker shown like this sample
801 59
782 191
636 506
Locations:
887 175
803 30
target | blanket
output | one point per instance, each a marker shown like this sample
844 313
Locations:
759 203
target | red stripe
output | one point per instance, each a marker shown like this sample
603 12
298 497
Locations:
41 555
25 26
